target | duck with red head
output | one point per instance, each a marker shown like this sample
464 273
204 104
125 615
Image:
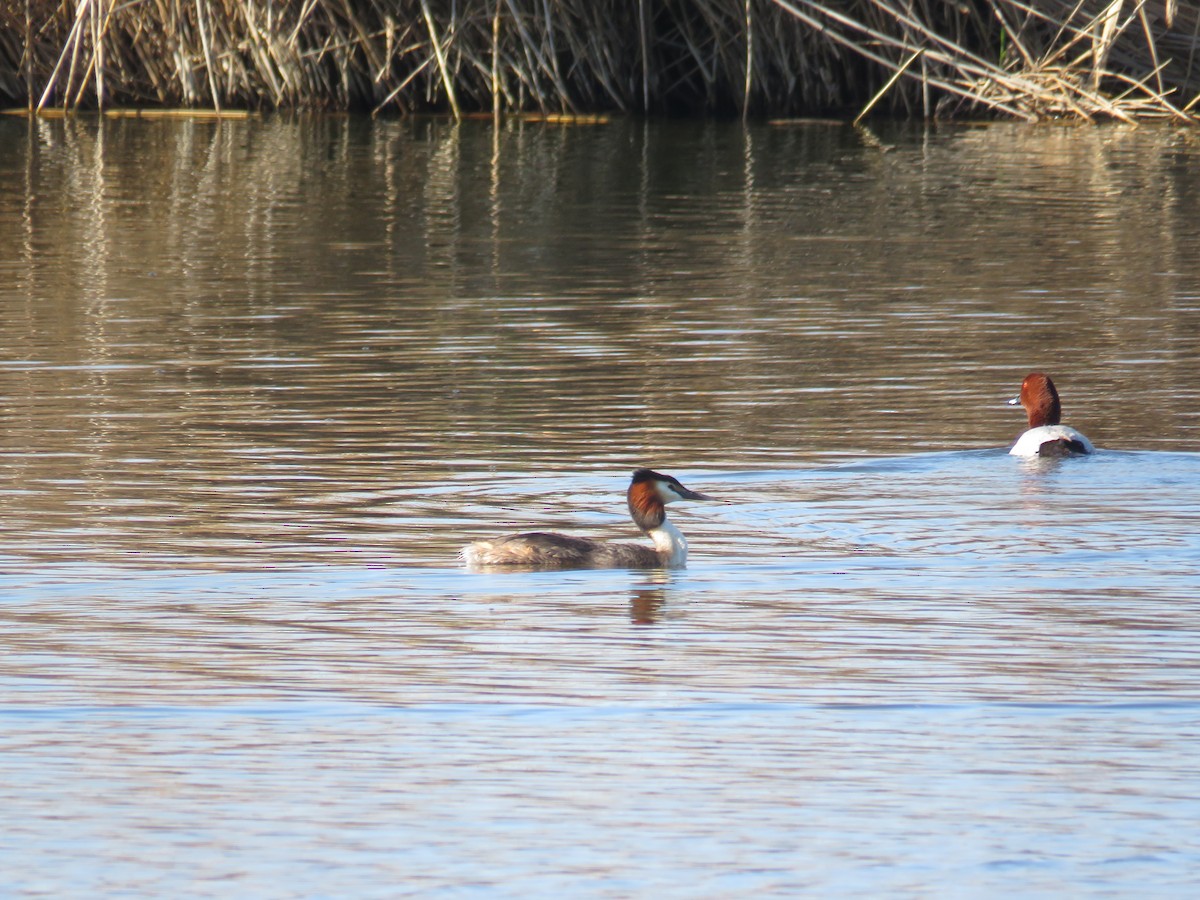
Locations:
1046 435
649 493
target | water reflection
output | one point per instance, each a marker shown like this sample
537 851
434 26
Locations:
646 605
316 319
647 602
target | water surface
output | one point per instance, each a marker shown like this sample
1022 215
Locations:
264 379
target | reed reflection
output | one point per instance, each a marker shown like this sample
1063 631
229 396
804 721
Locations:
344 310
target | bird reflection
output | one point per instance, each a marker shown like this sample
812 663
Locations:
646 602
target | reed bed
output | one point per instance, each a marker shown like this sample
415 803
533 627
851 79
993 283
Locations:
1026 59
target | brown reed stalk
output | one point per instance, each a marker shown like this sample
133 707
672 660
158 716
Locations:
436 42
1028 59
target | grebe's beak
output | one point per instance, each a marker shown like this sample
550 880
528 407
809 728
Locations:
685 494
1015 401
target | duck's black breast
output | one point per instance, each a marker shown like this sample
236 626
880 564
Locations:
1063 447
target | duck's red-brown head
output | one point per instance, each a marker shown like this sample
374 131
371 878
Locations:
1039 399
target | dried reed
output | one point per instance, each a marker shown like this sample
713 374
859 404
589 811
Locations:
1029 59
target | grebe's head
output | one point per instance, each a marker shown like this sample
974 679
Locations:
650 491
1040 400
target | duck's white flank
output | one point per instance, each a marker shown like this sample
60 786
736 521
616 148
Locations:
1046 435
1052 440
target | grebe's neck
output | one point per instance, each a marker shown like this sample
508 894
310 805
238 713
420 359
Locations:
670 544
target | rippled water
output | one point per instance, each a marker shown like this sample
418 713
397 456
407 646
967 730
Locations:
263 379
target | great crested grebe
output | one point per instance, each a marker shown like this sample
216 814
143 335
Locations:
648 495
1045 437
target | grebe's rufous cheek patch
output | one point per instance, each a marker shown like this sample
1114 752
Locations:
645 505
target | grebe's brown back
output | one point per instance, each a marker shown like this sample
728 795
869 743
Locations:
649 493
